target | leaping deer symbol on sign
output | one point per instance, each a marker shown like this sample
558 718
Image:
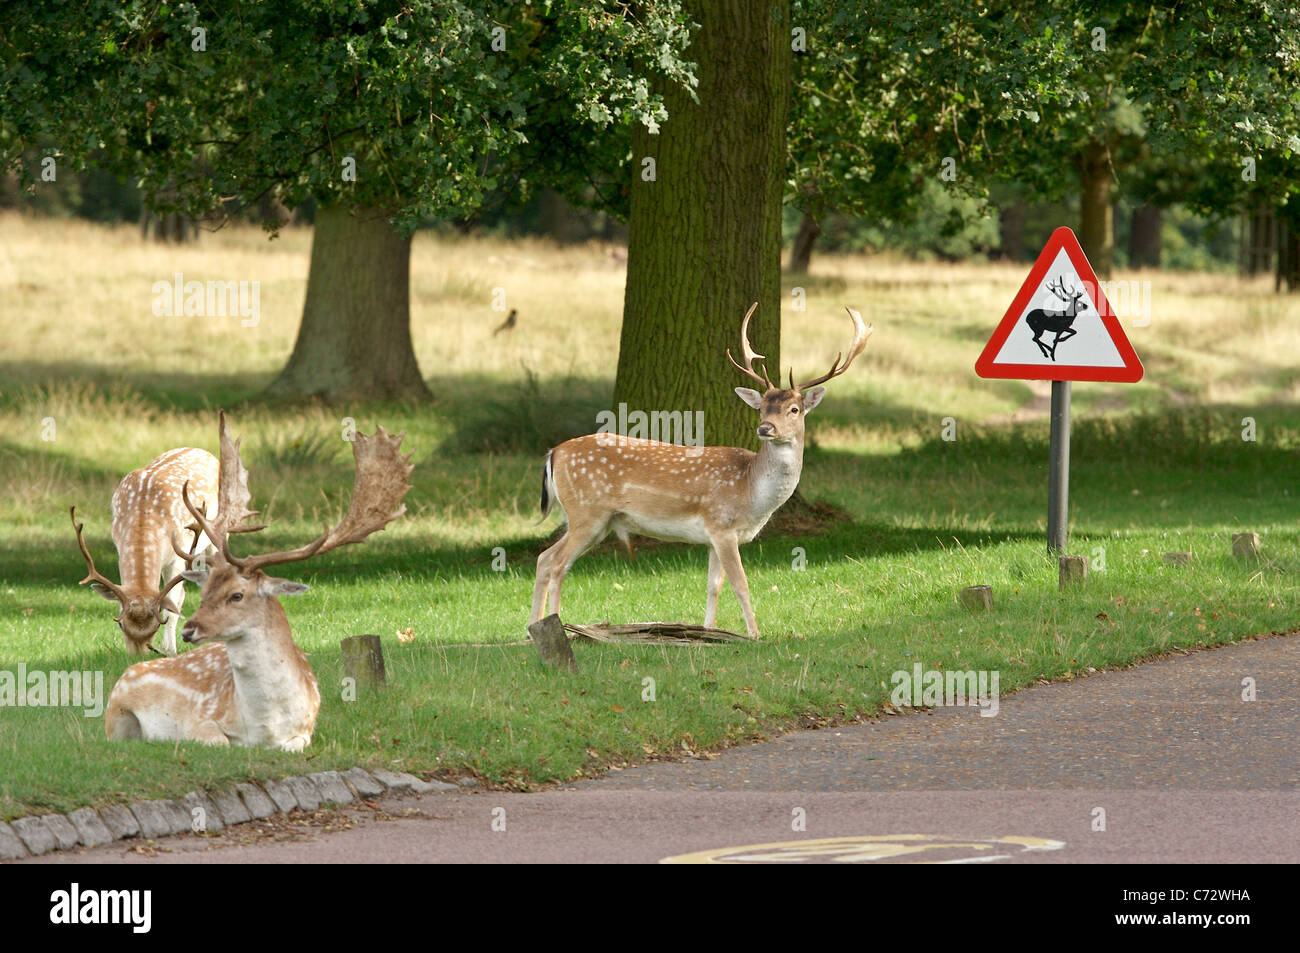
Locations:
1060 323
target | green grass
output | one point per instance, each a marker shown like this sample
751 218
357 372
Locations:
1157 467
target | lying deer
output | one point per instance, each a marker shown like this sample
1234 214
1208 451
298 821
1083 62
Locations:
721 496
150 527
248 683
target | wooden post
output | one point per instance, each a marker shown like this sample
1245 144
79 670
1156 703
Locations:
363 660
977 598
553 643
1073 571
1245 545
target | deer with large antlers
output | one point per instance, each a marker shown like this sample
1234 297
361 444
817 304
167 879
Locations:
248 683
150 530
720 496
1058 322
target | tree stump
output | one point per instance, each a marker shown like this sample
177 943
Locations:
553 643
977 598
1073 571
363 660
1178 559
1245 545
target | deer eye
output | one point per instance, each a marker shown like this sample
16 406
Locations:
236 597
794 410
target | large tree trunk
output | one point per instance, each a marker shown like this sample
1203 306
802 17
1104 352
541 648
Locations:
1144 238
354 342
168 227
1096 209
1288 254
1259 234
804 239
1011 230
705 237
553 216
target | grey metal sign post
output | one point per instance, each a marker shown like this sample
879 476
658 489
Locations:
1058 484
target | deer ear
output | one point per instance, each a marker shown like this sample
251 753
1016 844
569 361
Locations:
813 398
750 396
273 586
103 590
196 576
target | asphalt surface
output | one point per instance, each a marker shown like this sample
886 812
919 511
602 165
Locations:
1164 762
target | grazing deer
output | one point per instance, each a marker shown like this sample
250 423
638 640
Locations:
721 496
248 683
150 526
1059 322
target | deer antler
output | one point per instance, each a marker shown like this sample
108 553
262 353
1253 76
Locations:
381 482
1061 291
232 495
748 353
860 334
94 575
187 557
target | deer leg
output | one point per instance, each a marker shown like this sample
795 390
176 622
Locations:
554 564
714 586
728 551
120 724
543 579
210 733
171 619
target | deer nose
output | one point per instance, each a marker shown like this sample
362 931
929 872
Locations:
765 429
187 633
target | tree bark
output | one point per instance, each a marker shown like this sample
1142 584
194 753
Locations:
1096 209
705 236
354 342
804 239
1011 230
1288 255
168 227
1144 238
553 217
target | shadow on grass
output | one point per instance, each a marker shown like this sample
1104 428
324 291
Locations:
159 390
58 564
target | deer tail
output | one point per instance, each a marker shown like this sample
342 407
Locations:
548 485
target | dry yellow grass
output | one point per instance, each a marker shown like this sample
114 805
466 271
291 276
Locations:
79 301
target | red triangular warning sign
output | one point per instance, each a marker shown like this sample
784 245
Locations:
1060 326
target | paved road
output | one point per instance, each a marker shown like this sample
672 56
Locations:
1184 770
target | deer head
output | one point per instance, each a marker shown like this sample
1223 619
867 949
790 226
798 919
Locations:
1068 295
141 606
783 410
236 603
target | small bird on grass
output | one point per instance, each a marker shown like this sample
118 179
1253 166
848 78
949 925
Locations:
508 323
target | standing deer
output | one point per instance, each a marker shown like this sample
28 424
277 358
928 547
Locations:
721 496
248 683
150 526
1059 322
